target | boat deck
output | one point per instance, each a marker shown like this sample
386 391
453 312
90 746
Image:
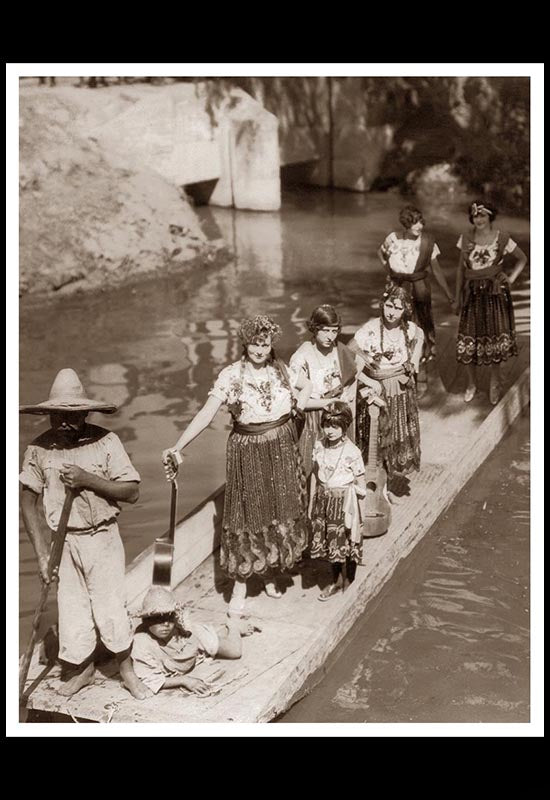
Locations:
299 633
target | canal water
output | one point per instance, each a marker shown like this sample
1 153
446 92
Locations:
155 349
447 639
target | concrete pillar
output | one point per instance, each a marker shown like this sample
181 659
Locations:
254 158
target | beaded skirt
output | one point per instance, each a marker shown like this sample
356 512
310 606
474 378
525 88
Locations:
486 330
331 539
264 526
398 431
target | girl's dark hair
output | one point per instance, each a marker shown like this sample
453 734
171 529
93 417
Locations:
409 215
480 205
322 317
337 413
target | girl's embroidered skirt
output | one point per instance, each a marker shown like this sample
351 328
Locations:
331 539
264 526
398 429
486 330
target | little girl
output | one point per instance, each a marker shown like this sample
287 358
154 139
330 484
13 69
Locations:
167 646
338 479
330 366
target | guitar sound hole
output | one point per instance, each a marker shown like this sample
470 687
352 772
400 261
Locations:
371 486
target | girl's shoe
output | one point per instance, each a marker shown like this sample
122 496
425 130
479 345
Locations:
494 393
469 394
271 590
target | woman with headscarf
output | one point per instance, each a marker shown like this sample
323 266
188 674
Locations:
486 330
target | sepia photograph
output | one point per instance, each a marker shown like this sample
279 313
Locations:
269 336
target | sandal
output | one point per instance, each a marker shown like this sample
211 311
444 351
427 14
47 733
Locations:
469 394
330 591
271 590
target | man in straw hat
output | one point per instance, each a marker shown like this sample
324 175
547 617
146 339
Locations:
92 461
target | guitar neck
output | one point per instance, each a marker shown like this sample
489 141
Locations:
373 443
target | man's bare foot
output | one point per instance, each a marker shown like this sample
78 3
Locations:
136 688
77 681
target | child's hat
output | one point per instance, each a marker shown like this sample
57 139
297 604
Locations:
67 394
158 600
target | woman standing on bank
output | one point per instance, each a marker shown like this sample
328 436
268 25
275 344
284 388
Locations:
408 257
264 529
330 366
486 330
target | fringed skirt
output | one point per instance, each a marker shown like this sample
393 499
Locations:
486 330
331 539
264 526
398 430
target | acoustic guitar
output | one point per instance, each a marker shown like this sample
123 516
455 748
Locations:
163 553
377 516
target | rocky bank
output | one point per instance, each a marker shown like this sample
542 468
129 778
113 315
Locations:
86 222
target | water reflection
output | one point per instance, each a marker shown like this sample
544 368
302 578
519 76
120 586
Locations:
156 349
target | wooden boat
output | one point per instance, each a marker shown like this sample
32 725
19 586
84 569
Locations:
299 634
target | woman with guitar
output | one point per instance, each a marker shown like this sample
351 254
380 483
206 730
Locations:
264 528
338 480
389 348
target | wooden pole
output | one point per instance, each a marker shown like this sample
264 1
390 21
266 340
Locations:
54 560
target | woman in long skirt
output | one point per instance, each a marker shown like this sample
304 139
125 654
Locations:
264 529
409 256
389 348
486 330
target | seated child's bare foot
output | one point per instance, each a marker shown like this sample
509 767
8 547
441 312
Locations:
136 688
75 681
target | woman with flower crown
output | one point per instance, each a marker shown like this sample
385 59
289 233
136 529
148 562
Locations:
264 528
389 348
486 330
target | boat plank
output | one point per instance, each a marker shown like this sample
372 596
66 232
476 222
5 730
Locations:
299 633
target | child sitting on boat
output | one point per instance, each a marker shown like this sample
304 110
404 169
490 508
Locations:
338 481
168 646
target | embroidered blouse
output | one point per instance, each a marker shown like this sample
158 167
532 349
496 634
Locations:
395 347
402 254
251 397
337 467
485 255
322 371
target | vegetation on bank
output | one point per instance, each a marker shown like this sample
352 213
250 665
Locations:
474 131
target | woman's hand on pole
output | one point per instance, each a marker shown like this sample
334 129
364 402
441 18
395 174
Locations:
171 459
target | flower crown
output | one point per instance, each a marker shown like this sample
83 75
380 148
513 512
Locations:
259 326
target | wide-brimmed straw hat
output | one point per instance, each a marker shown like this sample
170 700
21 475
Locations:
67 394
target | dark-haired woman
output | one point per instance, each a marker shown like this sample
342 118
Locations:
330 366
408 256
389 348
264 528
486 330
